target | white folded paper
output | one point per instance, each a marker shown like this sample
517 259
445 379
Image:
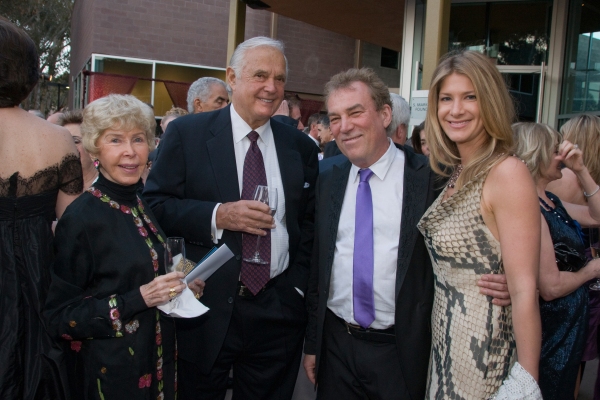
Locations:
185 305
208 266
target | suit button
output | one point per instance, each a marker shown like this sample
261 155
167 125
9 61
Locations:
238 257
230 300
201 244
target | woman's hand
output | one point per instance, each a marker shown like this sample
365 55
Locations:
197 286
595 265
572 156
159 290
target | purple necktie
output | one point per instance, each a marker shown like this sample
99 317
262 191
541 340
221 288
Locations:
362 284
254 276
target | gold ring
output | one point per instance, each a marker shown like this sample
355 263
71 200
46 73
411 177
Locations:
197 295
172 293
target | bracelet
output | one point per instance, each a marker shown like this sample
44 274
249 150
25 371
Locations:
591 194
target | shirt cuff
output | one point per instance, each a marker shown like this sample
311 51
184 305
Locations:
215 234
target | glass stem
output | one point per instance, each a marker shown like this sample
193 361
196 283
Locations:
257 254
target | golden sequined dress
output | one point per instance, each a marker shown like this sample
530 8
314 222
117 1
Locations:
473 346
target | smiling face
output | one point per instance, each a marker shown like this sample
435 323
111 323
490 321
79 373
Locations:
357 126
458 112
258 91
123 155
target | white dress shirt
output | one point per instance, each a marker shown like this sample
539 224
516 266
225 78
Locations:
387 191
279 236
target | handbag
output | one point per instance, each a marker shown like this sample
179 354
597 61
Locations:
568 259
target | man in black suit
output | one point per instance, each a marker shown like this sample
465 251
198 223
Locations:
370 337
198 189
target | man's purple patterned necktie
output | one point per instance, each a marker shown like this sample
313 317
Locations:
362 284
254 276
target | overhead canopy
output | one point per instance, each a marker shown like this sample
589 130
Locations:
378 22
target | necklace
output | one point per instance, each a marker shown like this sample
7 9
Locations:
137 212
454 176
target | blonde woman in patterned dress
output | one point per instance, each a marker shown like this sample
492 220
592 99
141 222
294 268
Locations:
486 220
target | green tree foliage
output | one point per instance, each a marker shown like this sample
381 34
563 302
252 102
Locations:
48 23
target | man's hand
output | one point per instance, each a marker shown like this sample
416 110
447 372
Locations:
245 216
310 361
495 285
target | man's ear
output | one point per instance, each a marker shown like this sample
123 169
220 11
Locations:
386 115
230 77
197 105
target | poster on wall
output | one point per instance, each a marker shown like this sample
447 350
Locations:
418 106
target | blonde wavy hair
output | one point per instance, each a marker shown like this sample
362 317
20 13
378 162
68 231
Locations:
536 145
584 130
496 111
119 112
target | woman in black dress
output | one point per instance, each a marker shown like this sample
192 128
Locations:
563 268
40 175
109 274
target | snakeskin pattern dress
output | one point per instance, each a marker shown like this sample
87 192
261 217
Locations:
473 347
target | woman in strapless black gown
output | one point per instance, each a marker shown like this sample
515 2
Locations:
40 175
563 268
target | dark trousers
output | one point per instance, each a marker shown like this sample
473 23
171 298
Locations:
264 346
352 368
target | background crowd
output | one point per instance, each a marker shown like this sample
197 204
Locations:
456 264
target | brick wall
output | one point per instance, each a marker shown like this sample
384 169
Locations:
193 32
372 59
258 23
313 54
82 27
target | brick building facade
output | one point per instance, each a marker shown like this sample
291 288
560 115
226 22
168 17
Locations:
187 39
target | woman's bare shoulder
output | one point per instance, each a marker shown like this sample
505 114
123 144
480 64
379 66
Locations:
29 143
509 171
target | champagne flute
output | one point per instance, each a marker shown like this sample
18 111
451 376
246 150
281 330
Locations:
595 250
174 254
268 196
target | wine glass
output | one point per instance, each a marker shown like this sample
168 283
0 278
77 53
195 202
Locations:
595 250
268 196
175 254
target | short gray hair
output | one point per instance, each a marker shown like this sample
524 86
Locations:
400 113
201 90
118 112
237 59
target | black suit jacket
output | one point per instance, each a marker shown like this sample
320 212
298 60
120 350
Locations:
414 275
331 149
195 170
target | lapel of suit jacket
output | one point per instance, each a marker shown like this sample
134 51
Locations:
339 181
290 168
416 186
222 159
